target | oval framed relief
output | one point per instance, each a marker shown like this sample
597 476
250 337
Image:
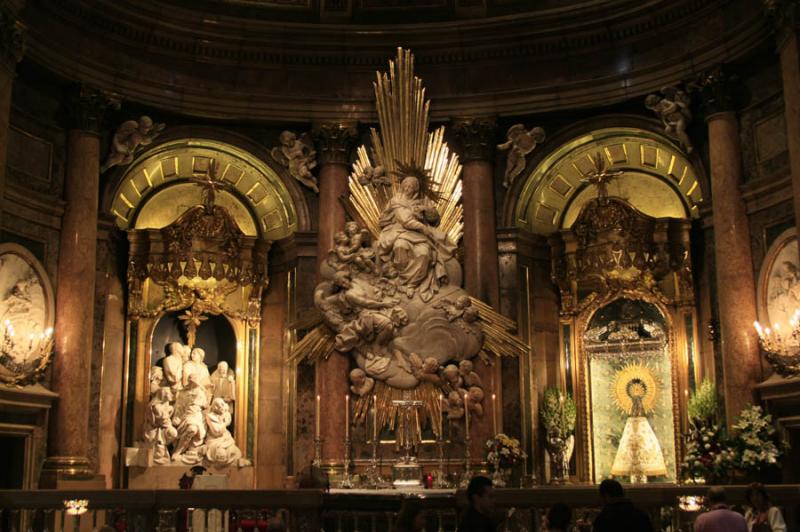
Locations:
778 290
27 316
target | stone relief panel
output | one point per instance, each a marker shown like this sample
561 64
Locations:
765 153
779 281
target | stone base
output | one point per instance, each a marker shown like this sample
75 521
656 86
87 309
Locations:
168 477
59 469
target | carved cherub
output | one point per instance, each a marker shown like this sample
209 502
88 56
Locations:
452 379
474 399
361 384
358 240
298 155
673 108
470 378
454 309
375 176
128 137
426 370
455 406
519 144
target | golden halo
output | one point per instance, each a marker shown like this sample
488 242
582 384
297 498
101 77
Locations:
635 380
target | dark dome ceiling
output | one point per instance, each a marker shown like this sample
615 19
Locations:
288 60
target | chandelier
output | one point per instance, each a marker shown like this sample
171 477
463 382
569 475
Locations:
782 345
23 354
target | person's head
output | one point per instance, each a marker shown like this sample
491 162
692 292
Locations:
611 489
411 517
430 365
451 372
198 355
515 131
757 496
351 228
475 394
716 495
219 406
558 517
465 366
175 349
185 352
651 101
340 238
222 368
462 302
481 495
342 280
287 137
145 124
454 399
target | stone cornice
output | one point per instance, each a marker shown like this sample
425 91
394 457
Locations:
261 70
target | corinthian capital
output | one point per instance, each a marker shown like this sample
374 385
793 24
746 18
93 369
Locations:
12 38
86 108
477 137
721 92
785 15
334 142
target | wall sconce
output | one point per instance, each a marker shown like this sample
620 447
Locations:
782 346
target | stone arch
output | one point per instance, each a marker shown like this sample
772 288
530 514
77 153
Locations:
151 191
658 178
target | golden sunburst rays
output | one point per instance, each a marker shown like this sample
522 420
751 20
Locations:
635 381
499 336
317 344
388 414
404 140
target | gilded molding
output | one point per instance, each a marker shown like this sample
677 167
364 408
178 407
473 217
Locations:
477 137
334 142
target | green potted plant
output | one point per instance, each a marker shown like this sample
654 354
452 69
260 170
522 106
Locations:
709 457
558 414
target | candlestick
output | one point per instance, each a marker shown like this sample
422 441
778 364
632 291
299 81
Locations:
494 413
441 416
466 413
317 421
347 416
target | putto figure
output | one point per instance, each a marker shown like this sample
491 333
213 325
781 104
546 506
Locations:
520 143
298 156
673 107
130 135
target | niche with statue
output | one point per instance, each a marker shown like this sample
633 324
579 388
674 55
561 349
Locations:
195 290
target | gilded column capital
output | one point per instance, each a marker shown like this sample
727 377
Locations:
721 92
785 16
477 137
86 108
12 39
334 141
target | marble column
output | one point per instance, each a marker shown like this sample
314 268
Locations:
334 144
734 264
477 140
12 44
786 16
68 440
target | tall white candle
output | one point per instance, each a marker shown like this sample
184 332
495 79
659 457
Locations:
494 412
374 416
347 417
466 413
317 431
441 416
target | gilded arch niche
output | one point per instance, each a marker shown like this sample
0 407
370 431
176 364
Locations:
616 207
158 187
657 179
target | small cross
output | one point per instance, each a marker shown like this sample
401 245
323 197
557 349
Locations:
211 183
600 176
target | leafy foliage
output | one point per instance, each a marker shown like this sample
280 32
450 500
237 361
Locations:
558 412
703 404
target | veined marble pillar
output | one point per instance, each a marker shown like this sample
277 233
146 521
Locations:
68 439
477 139
786 15
334 144
12 44
734 265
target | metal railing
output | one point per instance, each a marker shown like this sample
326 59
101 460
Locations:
316 510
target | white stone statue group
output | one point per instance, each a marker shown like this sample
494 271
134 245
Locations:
190 410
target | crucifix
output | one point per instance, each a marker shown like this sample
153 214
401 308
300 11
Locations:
211 183
600 176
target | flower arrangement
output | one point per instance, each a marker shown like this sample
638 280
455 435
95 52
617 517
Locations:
558 413
752 447
504 451
755 443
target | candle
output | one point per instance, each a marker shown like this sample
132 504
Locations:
466 413
441 417
494 412
374 417
317 432
347 417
